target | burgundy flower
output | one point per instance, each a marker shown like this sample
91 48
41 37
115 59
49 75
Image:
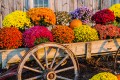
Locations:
104 16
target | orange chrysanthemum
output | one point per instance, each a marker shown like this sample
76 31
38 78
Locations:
63 34
10 37
42 16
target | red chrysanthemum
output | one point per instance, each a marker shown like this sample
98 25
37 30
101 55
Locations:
104 16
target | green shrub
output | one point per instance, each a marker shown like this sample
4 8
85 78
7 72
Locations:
85 33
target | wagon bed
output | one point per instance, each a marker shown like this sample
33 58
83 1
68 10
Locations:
52 51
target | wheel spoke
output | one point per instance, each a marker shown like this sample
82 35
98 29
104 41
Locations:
54 58
33 78
61 61
46 61
64 78
64 69
38 62
32 69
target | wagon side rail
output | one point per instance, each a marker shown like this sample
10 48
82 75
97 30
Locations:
80 49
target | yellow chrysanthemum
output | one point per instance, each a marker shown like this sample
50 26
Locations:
116 9
17 19
104 76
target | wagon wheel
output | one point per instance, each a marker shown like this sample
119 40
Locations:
49 66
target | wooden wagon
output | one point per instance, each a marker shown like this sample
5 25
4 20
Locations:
46 61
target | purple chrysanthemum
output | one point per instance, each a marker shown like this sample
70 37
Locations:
82 13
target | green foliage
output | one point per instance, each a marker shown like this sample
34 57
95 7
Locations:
104 76
117 22
85 33
41 40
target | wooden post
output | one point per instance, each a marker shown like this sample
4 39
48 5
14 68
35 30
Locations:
88 50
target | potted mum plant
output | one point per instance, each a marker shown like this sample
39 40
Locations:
42 16
116 9
10 43
18 19
62 18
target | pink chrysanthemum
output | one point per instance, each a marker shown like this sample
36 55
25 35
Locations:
35 35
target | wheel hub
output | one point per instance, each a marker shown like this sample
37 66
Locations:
49 75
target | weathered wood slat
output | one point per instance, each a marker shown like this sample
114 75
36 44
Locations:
71 5
105 45
75 4
51 4
18 4
11 5
30 4
11 56
59 4
5 8
56 5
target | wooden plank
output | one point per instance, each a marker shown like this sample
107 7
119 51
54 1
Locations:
56 5
15 6
22 4
19 4
65 5
87 3
77 48
30 4
5 8
12 56
80 3
109 3
105 45
95 6
75 4
59 5
51 4
11 5
71 5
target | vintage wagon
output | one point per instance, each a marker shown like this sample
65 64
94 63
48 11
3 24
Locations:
47 60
